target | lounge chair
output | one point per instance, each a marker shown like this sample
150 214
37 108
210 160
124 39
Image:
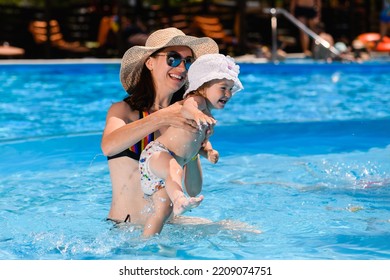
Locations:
39 31
211 26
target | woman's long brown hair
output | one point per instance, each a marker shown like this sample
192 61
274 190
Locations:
142 96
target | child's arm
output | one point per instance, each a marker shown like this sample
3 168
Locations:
192 109
208 152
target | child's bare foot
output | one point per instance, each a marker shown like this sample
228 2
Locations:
183 204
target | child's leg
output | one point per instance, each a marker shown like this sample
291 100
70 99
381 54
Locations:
162 211
166 167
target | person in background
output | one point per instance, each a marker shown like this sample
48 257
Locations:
357 52
384 19
134 32
154 76
360 51
319 51
309 13
117 33
213 79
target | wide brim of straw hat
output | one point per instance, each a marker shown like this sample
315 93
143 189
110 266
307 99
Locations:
135 57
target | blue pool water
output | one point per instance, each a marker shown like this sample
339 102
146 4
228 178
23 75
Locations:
304 158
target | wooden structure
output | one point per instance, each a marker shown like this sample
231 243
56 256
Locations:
242 21
50 33
211 26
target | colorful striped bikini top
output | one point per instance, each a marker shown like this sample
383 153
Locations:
134 151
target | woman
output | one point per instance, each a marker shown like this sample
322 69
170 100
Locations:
309 13
151 75
213 79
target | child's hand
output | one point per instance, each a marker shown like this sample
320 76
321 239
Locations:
213 156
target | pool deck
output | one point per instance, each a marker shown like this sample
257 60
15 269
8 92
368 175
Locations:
60 61
247 58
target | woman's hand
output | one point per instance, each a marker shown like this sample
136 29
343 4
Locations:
201 118
172 116
192 109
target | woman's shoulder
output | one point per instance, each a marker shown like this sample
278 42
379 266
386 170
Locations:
123 111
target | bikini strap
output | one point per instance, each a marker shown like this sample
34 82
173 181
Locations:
134 151
141 145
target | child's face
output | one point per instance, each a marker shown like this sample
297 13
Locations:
219 93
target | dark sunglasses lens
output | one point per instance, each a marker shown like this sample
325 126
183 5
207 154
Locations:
187 62
173 59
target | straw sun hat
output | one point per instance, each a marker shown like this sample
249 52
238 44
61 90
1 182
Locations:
135 57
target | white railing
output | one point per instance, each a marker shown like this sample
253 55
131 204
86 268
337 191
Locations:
274 25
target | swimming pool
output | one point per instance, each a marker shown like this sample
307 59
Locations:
304 158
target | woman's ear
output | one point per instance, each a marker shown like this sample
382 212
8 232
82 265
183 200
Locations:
149 63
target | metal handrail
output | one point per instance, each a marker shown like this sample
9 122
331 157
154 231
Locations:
300 25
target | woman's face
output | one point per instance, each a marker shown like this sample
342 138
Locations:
167 78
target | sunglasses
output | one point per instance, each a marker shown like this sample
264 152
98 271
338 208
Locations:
174 59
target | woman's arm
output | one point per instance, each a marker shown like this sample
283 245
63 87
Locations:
124 129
